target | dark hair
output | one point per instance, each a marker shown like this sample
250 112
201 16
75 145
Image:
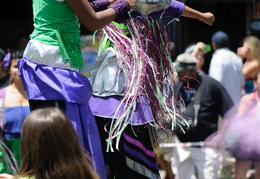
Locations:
21 36
21 41
220 38
2 54
14 56
50 148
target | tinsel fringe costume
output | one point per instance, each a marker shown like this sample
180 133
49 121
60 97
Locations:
133 94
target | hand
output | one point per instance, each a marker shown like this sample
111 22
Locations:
217 141
241 52
131 3
208 18
6 176
200 45
198 48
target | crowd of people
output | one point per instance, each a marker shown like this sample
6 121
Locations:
231 123
58 123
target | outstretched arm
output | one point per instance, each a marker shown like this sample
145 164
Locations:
177 9
6 176
96 20
206 17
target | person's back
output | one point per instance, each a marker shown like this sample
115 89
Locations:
226 67
56 29
214 102
50 148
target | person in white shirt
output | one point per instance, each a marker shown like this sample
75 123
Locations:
226 66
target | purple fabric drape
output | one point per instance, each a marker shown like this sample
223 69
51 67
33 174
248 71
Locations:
107 107
44 82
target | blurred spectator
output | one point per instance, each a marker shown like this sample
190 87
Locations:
4 76
14 100
250 51
204 99
164 155
246 150
20 42
198 50
240 134
226 66
50 148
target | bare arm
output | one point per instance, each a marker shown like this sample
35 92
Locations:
250 69
6 176
206 17
243 105
89 18
199 47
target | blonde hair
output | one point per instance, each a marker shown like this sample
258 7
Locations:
253 44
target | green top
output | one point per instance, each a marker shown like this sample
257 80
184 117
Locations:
56 24
50 15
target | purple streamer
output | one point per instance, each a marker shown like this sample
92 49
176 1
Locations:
145 55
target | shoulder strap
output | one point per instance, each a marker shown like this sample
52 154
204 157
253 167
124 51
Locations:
196 106
2 102
2 93
197 96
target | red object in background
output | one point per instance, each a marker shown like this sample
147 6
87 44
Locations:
256 13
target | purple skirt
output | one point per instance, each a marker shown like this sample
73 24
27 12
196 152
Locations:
44 82
242 136
107 106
